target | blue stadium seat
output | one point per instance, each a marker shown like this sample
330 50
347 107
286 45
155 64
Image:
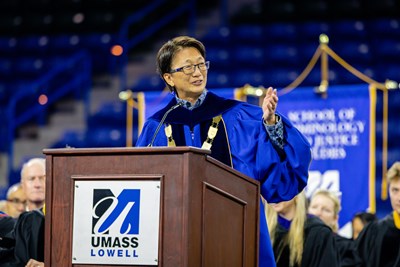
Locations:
353 52
281 31
106 137
5 67
64 43
346 77
218 79
8 46
151 82
279 77
3 99
248 34
389 71
110 113
99 46
220 58
254 77
313 78
349 30
386 50
384 28
71 138
219 37
29 67
310 31
307 50
283 54
33 45
249 56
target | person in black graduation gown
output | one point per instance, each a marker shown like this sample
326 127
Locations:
28 239
379 242
300 239
325 204
7 224
360 220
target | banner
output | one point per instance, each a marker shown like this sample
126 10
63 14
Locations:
342 133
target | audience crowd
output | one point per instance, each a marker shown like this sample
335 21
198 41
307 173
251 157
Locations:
22 218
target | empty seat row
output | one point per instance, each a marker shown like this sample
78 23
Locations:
52 47
359 30
291 10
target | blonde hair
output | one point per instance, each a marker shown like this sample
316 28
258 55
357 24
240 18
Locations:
336 204
295 237
394 172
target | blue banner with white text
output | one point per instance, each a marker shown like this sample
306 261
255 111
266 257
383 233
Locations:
339 129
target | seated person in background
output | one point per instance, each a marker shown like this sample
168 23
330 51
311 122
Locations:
28 233
28 240
379 242
16 201
6 226
299 239
325 204
360 220
33 181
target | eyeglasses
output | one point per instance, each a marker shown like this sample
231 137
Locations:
17 201
190 69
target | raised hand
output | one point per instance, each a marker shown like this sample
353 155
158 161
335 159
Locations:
269 105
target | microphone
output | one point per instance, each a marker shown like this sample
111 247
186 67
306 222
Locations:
162 122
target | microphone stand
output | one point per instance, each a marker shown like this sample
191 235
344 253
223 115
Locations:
162 122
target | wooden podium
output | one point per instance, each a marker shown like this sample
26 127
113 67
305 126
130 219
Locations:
209 213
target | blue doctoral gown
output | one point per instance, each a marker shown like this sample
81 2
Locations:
243 143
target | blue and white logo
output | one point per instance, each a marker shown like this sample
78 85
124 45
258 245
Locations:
116 222
116 214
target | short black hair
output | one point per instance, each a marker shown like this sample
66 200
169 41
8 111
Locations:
365 217
169 50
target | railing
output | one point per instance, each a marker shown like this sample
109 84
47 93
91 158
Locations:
78 70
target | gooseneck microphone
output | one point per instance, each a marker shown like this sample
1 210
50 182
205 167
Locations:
162 121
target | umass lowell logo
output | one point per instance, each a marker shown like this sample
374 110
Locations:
115 215
115 223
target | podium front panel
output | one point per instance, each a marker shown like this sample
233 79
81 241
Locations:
207 210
